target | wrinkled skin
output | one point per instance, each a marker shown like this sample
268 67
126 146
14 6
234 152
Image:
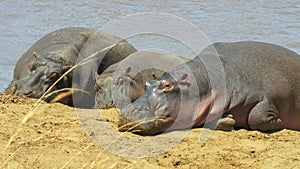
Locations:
49 58
42 73
53 55
119 88
261 92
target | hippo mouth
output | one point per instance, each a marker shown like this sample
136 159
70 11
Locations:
148 126
28 94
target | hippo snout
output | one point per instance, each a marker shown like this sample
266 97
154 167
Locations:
138 119
17 90
11 89
135 118
131 113
150 114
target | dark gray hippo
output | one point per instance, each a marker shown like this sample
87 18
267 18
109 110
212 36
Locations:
126 85
48 59
262 92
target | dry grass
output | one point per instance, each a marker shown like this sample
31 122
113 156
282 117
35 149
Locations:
31 112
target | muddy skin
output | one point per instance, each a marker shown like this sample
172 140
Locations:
261 92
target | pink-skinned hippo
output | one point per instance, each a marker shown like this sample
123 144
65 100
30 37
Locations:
261 91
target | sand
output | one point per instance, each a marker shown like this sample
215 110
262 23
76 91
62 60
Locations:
58 136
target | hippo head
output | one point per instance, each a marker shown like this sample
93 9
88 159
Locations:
120 88
103 88
42 73
127 87
158 108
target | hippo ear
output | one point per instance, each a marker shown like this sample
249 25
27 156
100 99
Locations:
127 73
35 55
96 76
184 81
54 75
120 81
30 66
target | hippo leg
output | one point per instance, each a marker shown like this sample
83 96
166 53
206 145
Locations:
226 123
264 117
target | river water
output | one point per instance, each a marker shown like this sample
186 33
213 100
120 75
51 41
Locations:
24 22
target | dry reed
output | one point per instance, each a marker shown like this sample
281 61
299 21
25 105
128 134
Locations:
35 105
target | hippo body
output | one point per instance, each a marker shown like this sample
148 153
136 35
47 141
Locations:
262 91
49 58
119 85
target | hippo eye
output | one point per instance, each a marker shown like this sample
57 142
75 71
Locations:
168 85
53 76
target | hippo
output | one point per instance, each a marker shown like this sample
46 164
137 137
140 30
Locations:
261 92
46 60
127 85
84 76
50 57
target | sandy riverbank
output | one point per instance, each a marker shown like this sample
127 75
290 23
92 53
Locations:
55 138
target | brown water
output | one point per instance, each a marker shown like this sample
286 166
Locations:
24 22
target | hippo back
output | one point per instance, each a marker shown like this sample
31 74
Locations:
74 36
99 59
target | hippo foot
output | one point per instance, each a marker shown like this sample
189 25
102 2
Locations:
226 124
264 117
